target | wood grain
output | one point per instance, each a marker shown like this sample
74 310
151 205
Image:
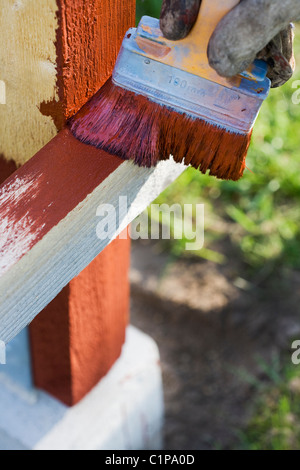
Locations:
54 55
48 218
45 190
90 37
55 252
83 327
87 43
28 68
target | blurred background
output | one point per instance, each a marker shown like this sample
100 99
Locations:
225 317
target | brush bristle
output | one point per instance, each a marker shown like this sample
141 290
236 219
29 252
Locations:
133 127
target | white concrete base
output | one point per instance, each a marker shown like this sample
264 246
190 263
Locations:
123 412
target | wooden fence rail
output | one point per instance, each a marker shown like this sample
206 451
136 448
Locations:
54 55
48 214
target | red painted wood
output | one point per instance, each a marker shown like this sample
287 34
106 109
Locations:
56 180
88 41
78 337
91 313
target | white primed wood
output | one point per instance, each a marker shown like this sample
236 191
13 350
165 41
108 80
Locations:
35 280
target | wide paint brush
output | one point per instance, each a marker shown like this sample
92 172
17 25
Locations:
164 99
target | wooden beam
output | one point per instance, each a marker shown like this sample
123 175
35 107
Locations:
28 69
77 338
88 39
66 50
54 55
48 211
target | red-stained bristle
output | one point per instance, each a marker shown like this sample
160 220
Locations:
133 127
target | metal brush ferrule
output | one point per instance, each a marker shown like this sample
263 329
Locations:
142 67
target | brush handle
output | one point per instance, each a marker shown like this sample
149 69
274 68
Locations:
210 14
193 57
189 54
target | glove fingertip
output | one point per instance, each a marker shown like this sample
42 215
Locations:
178 18
172 29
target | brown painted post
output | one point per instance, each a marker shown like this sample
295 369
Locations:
77 338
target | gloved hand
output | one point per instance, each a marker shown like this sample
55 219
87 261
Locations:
254 28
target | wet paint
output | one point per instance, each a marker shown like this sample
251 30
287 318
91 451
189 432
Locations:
157 132
51 188
88 40
6 168
80 334
82 40
152 48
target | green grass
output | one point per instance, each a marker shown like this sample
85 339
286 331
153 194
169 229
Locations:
275 424
260 216
265 203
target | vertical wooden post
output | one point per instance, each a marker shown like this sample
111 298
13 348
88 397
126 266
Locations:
78 337
54 56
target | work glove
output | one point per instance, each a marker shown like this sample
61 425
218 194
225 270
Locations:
253 29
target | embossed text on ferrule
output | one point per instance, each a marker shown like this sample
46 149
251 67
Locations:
2 92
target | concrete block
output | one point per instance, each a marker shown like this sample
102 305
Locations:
123 412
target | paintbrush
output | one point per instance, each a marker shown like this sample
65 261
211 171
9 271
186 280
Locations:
164 99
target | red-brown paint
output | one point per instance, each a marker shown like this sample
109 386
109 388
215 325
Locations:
131 126
79 336
88 41
89 36
151 47
44 190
